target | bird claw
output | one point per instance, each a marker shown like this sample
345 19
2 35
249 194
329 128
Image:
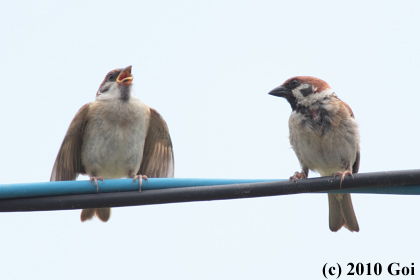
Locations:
95 179
296 176
343 175
140 177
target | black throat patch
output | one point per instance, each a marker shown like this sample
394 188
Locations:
125 92
292 101
317 119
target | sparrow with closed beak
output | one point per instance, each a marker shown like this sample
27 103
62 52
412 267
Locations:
115 136
325 138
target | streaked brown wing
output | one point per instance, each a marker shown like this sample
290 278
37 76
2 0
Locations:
356 163
68 164
158 156
347 107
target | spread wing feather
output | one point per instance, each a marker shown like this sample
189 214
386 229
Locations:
158 157
68 164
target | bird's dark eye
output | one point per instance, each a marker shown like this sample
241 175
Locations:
294 83
111 77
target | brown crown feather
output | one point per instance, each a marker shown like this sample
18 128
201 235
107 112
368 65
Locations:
319 84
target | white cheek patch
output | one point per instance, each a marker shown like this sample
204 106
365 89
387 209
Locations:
312 98
114 92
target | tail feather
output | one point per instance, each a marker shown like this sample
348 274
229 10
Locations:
87 214
102 213
342 212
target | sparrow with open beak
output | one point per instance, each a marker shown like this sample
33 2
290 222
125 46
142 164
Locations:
115 136
325 138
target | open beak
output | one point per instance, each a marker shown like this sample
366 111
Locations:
125 76
281 91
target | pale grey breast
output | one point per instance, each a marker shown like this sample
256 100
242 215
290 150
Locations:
113 143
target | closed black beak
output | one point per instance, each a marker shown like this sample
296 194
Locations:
281 91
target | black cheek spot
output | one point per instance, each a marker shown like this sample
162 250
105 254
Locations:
104 89
306 91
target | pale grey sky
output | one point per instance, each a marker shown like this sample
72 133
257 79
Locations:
207 68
